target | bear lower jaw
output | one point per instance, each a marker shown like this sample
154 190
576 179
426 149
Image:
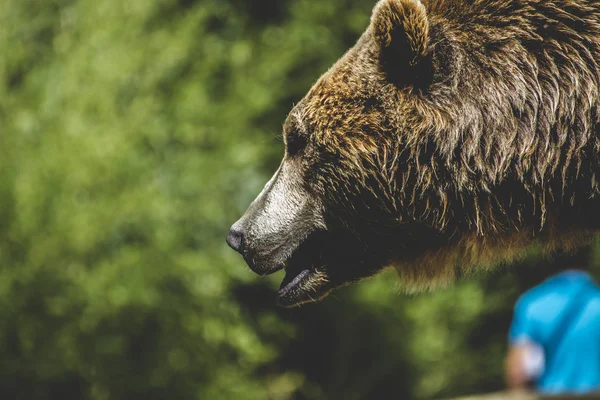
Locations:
287 286
299 287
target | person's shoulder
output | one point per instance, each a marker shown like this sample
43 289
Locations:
563 282
542 289
547 287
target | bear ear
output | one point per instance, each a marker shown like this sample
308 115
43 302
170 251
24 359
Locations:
401 29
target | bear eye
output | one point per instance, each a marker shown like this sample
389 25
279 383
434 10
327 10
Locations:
294 143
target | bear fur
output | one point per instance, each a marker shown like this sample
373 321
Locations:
453 136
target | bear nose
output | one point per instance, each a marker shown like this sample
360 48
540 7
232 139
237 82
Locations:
235 240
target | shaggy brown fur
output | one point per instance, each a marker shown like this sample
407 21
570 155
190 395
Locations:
496 146
457 133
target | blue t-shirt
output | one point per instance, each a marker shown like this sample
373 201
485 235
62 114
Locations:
572 362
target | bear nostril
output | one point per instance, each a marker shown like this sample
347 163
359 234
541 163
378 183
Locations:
235 240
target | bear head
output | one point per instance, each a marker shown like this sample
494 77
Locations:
389 162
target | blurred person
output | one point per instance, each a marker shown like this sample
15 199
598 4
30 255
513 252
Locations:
554 338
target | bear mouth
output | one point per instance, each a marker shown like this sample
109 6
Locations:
305 277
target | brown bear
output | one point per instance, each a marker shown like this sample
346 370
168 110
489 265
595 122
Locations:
451 137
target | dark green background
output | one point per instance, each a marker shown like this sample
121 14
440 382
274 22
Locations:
132 134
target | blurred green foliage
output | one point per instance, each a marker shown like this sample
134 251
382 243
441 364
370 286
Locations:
132 134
